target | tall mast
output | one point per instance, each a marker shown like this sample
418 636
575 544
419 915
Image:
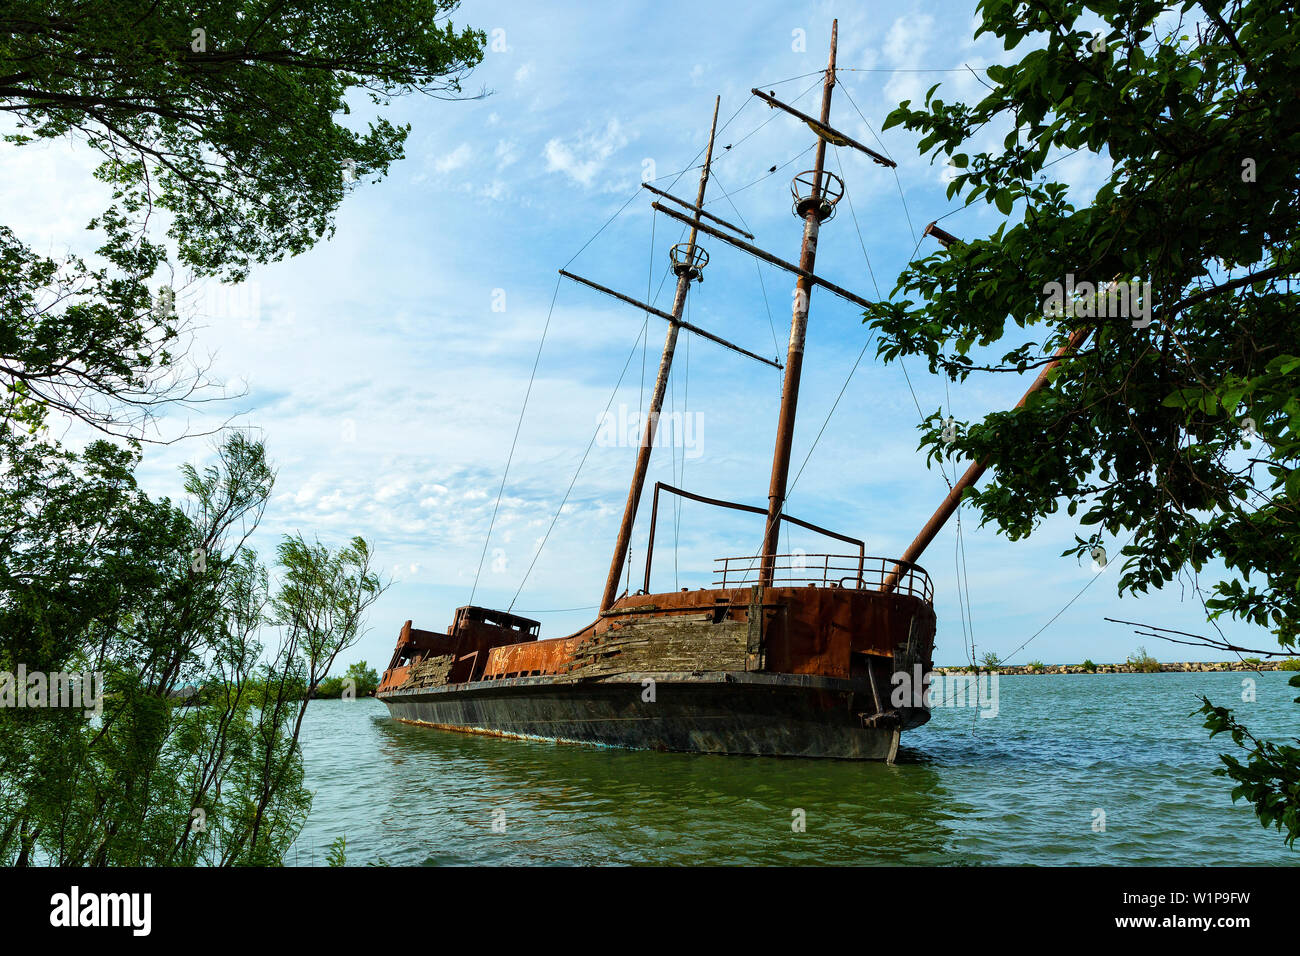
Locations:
814 210
686 269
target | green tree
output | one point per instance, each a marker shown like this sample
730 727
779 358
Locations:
364 676
1173 441
338 853
1142 662
360 679
86 342
1270 776
230 121
226 115
97 577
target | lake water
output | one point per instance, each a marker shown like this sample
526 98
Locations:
1021 788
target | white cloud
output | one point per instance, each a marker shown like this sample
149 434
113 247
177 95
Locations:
583 158
908 40
506 153
905 48
457 158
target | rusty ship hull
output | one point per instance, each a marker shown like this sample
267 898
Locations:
790 671
722 713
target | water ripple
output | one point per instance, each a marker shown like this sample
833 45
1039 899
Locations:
1023 788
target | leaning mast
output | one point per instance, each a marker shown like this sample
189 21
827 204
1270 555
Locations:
687 264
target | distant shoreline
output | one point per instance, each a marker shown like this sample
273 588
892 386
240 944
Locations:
1176 667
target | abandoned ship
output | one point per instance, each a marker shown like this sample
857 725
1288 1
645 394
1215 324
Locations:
785 655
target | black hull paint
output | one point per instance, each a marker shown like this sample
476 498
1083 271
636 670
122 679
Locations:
786 715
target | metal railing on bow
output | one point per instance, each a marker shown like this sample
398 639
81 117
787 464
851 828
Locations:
827 570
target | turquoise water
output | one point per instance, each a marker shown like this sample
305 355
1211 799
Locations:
1020 788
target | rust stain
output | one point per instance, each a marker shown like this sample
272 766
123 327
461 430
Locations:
810 630
485 732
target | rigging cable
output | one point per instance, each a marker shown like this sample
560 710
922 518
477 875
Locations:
775 112
640 339
515 441
893 169
590 444
675 176
773 172
967 640
791 79
510 457
967 617
883 69
813 447
961 570
703 148
1079 594
965 573
528 392
853 370
758 267
843 389
856 228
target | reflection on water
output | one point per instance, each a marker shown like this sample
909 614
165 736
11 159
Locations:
1023 787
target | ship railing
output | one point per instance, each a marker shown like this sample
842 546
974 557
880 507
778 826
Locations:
853 571
735 506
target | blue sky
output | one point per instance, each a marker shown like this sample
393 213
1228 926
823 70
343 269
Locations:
386 368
